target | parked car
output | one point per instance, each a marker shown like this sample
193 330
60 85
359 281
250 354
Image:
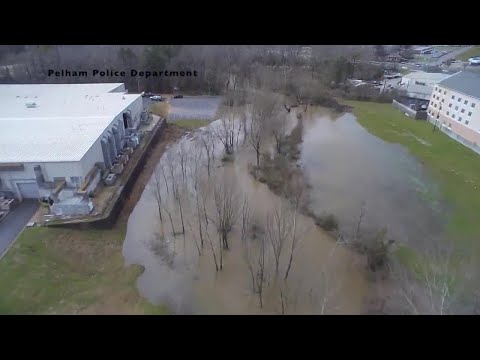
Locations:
178 97
145 94
474 60
156 98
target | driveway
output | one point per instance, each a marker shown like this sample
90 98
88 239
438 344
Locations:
14 223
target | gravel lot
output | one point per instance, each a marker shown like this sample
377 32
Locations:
194 107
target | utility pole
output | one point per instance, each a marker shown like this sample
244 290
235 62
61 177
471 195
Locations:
436 121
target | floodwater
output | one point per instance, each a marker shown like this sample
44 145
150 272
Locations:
345 167
324 277
348 167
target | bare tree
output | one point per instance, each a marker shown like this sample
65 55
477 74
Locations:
263 107
172 166
261 269
322 295
295 196
286 70
304 90
359 222
224 133
209 239
165 208
245 220
194 238
179 200
197 189
157 192
208 143
244 126
165 178
182 157
205 191
278 231
226 210
279 132
441 281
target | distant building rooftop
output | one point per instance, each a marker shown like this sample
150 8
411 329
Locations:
426 76
465 82
421 48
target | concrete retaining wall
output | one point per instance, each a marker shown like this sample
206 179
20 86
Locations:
417 115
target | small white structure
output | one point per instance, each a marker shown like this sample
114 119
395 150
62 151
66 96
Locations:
58 132
420 84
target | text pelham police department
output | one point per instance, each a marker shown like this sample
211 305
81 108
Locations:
121 73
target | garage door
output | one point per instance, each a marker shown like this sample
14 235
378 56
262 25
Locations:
28 190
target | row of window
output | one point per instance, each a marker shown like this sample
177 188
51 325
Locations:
459 99
448 114
462 111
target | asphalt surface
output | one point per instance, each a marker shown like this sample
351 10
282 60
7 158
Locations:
14 222
433 62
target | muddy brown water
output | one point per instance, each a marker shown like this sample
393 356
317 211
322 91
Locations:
344 165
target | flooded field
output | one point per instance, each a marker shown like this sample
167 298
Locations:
257 272
349 168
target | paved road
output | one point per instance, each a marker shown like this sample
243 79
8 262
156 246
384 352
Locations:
433 62
451 55
14 223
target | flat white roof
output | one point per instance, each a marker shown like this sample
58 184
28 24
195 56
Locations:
63 124
36 89
422 75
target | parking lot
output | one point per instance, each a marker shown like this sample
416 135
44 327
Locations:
190 107
194 107
14 222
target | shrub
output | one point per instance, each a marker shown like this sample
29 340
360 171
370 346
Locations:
228 158
327 222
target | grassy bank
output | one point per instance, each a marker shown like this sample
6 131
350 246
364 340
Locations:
190 124
454 166
60 271
160 109
474 51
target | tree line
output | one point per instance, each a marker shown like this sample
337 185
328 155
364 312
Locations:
220 67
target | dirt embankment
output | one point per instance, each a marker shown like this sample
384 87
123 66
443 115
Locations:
171 134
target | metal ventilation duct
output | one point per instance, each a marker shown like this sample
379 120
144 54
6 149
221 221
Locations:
106 153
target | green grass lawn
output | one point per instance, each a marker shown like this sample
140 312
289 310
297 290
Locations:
64 271
455 167
474 51
190 124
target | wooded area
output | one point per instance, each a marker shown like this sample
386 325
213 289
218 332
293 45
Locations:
218 67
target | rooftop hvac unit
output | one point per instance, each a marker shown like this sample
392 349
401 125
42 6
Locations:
31 105
110 179
127 151
117 169
123 159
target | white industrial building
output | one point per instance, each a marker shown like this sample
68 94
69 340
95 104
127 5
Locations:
63 134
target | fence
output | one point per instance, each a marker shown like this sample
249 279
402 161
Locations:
417 115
